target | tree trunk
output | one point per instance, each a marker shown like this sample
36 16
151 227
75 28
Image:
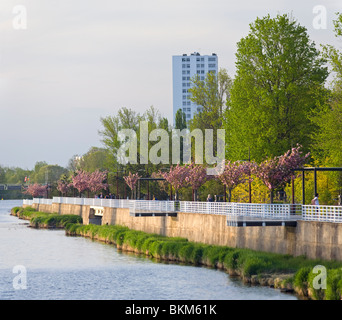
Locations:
229 195
271 196
195 195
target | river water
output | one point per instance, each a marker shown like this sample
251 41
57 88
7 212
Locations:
47 265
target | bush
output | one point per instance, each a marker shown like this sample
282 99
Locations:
301 278
254 265
197 254
185 252
155 248
334 285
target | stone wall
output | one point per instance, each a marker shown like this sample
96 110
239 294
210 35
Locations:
316 240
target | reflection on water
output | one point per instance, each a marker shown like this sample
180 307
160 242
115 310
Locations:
76 268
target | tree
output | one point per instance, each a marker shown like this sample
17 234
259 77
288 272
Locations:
211 95
63 187
176 177
180 120
279 81
96 181
196 177
80 181
232 175
94 159
131 181
328 137
125 119
36 190
278 171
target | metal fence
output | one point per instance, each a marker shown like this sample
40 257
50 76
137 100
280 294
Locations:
218 208
322 213
234 212
42 201
111 203
134 205
152 206
243 212
28 202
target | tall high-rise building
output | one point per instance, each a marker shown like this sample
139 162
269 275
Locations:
184 68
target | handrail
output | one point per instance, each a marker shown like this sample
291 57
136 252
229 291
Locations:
233 211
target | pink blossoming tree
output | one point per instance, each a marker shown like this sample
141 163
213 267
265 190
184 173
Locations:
80 181
196 177
90 182
63 187
233 174
176 177
131 180
36 190
278 171
96 181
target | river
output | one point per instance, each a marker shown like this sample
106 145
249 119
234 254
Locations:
47 265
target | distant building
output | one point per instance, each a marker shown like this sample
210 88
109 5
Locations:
184 68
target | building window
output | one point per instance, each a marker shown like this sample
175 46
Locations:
212 65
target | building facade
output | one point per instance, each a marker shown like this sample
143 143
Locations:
184 68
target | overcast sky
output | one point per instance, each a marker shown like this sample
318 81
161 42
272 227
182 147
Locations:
79 60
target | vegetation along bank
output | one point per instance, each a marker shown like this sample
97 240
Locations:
285 272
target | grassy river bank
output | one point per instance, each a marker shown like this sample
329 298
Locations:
287 273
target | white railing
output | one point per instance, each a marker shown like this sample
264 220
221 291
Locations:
27 202
218 208
133 205
242 212
42 201
234 212
152 206
322 213
112 203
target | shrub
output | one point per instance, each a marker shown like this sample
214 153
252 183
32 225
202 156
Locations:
301 278
197 254
254 265
334 285
155 248
185 252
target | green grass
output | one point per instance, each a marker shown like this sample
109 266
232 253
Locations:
44 219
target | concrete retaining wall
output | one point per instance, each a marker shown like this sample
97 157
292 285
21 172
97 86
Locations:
316 240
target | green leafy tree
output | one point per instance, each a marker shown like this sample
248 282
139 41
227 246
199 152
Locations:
328 137
279 82
94 159
180 120
210 94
